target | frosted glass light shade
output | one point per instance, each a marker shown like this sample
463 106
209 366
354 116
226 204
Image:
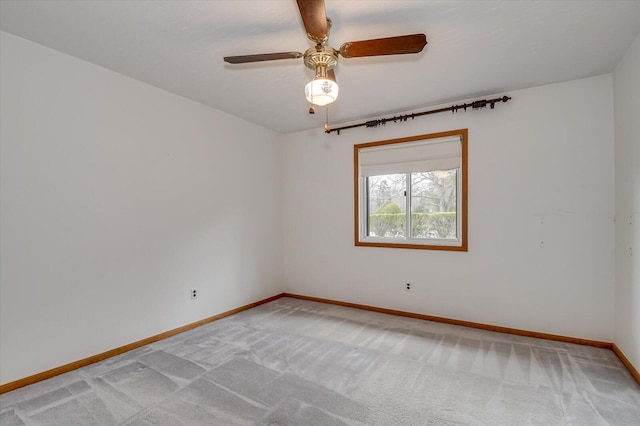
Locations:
321 91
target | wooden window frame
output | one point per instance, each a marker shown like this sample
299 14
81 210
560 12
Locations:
462 197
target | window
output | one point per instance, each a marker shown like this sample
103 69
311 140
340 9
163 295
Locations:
412 192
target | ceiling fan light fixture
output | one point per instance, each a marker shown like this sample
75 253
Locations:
321 90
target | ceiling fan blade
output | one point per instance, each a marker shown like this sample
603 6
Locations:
331 75
413 43
243 59
314 18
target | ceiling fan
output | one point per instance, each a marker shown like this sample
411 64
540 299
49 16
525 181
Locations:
323 89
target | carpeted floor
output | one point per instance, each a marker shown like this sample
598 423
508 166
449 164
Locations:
293 362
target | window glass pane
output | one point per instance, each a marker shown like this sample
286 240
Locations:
386 205
433 204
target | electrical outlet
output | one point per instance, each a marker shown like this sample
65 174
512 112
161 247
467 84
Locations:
194 293
408 287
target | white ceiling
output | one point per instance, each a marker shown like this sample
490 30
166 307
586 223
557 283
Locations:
476 48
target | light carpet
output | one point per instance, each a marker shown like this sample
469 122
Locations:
294 362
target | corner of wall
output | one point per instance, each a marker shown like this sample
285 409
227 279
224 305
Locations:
626 88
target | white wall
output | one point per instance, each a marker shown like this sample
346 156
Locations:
116 199
541 231
626 80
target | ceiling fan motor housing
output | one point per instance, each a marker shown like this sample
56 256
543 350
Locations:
321 56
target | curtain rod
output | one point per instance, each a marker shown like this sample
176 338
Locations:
400 118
